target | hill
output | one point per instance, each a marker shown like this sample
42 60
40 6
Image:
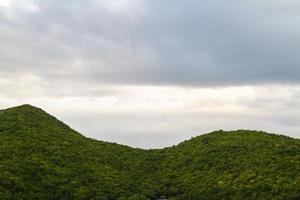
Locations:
43 158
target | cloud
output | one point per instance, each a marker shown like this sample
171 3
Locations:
141 118
192 43
157 116
151 73
5 3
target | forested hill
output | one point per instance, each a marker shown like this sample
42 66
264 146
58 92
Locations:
43 158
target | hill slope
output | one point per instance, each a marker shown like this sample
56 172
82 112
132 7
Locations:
42 158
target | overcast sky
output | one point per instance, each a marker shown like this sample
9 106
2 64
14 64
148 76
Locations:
151 73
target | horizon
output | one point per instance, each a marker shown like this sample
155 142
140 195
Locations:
150 74
149 148
161 148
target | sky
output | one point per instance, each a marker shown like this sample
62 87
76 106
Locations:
152 73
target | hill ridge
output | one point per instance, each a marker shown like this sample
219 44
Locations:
28 108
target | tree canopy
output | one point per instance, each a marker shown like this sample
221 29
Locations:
43 158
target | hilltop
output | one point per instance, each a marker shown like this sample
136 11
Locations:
43 158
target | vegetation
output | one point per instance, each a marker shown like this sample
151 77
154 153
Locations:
42 158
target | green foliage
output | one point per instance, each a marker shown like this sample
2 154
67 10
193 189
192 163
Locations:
42 158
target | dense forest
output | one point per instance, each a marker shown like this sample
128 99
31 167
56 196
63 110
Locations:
43 158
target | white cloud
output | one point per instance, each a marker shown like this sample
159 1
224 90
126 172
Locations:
160 116
119 6
5 3
21 87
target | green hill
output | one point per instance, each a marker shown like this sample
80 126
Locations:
42 158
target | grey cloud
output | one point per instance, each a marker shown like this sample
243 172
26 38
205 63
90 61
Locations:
194 43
